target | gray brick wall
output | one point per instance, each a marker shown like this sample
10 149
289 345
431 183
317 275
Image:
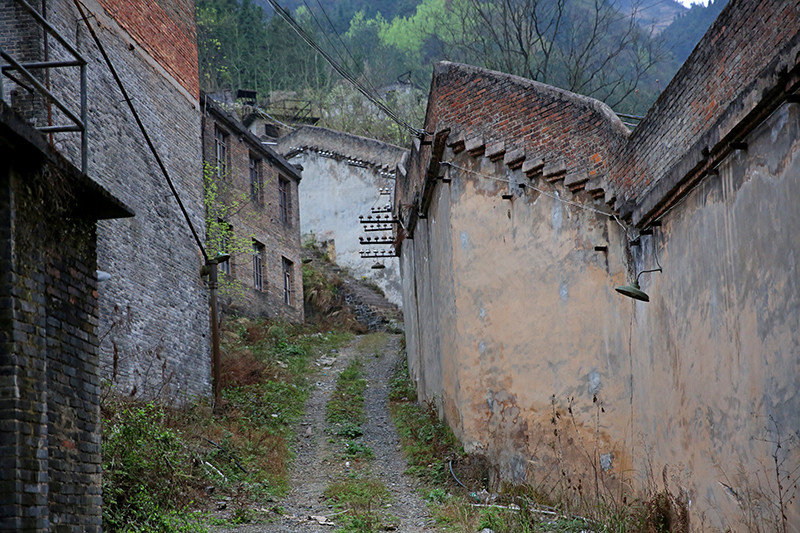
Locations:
153 323
260 221
50 452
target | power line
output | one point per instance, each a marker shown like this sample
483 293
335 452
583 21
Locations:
142 128
324 33
280 11
344 45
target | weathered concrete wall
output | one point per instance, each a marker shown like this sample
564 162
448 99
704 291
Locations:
257 217
510 312
513 327
342 176
498 329
154 310
715 354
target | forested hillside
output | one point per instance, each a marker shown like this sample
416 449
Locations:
611 50
683 34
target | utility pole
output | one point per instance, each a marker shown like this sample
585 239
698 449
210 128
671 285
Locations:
212 268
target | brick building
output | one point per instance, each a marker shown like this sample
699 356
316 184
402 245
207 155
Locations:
154 309
49 361
256 218
530 205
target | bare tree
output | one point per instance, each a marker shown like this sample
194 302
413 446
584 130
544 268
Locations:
591 47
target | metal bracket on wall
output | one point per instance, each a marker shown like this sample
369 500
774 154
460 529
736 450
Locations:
13 67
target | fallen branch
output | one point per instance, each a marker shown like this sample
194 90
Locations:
229 454
514 507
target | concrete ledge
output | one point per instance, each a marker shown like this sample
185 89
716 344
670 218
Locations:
555 171
475 146
532 167
496 150
514 158
575 181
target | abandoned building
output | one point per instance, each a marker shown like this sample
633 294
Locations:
349 181
529 205
49 359
154 317
256 214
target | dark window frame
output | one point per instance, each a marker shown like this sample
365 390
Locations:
258 265
256 180
285 200
221 151
288 281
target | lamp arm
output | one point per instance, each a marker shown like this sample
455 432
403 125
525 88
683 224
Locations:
646 271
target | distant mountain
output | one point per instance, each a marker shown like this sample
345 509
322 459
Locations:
657 13
685 32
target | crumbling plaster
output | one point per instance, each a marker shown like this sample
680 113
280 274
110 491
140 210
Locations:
716 351
515 332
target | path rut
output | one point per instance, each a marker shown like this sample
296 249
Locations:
316 464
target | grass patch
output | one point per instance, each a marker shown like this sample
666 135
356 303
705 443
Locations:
346 405
372 343
363 500
429 445
346 414
428 442
160 465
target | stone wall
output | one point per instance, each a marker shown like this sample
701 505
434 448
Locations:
342 178
509 266
257 218
49 364
154 309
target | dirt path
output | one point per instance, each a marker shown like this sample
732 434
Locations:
316 464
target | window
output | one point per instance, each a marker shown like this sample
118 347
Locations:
225 233
256 185
220 152
288 277
258 266
285 200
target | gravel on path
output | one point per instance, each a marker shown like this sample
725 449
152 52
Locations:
316 465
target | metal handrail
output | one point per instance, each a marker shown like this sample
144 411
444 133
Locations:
79 123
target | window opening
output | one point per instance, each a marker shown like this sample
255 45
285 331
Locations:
285 200
220 152
288 278
258 266
256 185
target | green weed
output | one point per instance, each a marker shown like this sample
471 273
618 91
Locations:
346 405
158 462
148 474
364 501
428 442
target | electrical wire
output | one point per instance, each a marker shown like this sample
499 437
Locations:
146 136
540 191
324 33
344 45
287 17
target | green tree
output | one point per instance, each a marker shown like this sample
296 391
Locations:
586 46
223 206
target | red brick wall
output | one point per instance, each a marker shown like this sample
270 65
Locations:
544 121
166 30
739 45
